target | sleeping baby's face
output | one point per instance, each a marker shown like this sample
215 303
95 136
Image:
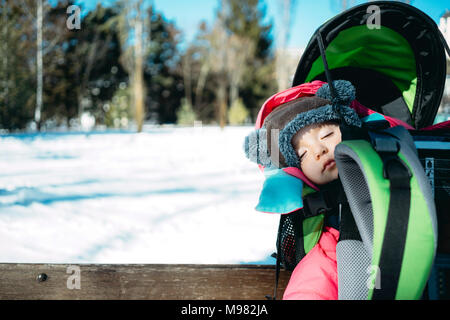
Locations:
315 145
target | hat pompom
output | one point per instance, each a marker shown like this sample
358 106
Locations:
345 92
255 147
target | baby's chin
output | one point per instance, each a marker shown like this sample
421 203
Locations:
326 177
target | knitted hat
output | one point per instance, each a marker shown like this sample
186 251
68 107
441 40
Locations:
271 145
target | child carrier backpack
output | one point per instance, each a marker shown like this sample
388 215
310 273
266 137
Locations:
391 180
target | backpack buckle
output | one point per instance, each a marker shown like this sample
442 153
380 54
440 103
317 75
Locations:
314 204
393 166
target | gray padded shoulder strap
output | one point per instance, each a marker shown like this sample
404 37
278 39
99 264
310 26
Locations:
353 257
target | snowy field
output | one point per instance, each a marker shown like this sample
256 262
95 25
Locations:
171 195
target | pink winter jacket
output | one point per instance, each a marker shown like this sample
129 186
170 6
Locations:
315 276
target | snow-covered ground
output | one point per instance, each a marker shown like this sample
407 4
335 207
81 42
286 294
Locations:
170 195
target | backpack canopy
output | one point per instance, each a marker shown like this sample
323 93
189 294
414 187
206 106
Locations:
393 53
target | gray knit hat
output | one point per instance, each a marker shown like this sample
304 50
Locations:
271 145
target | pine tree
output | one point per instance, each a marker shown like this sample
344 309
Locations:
17 52
162 74
90 70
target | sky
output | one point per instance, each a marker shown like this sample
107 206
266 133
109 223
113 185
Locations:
309 15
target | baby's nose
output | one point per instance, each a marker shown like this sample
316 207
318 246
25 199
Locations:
320 151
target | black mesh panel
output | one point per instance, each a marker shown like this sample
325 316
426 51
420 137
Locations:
290 239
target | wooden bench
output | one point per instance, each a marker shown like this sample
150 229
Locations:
139 281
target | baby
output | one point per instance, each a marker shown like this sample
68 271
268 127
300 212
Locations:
298 137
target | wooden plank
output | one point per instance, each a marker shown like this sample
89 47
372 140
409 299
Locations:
143 281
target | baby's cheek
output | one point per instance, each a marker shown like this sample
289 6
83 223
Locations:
318 170
312 171
305 169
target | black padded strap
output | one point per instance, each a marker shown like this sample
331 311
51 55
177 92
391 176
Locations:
325 200
348 229
394 240
315 204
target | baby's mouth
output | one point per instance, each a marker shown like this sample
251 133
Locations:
328 164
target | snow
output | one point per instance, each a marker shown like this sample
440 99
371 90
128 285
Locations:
166 195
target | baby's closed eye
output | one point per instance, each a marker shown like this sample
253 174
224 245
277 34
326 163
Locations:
302 155
328 134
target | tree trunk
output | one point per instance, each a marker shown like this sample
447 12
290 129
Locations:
234 87
83 84
138 83
222 90
37 112
187 78
222 99
5 53
204 71
138 88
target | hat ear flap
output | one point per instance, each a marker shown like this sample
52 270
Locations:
345 92
255 147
